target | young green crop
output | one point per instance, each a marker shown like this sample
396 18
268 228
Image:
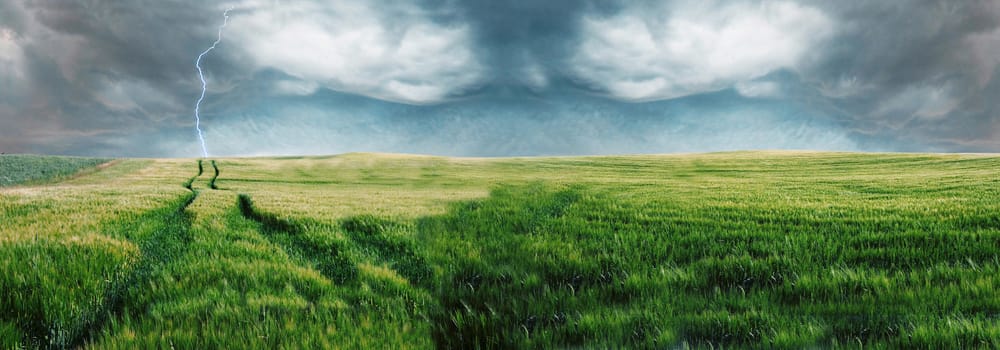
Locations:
18 169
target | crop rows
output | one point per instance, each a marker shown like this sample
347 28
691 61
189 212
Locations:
26 169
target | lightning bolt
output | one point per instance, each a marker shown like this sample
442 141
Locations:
204 84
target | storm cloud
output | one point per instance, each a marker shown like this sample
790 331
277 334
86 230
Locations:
495 78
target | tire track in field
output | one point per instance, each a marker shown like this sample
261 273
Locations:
329 258
188 184
169 237
211 183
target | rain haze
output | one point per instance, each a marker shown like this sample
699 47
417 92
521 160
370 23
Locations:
498 78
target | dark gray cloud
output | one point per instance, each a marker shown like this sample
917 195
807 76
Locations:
524 43
85 71
921 69
480 77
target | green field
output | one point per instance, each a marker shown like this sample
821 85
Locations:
18 169
744 249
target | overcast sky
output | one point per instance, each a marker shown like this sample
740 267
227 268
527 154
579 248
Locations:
496 78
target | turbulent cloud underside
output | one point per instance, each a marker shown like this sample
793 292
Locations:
482 77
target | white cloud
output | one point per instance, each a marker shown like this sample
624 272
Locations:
392 52
984 55
14 85
846 86
927 102
134 95
11 55
295 87
7 43
700 46
758 89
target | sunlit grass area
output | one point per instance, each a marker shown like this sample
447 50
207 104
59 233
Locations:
743 249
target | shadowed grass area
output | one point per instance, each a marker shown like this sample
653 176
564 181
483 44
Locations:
545 266
391 244
54 292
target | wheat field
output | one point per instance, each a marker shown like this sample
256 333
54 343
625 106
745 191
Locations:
736 249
